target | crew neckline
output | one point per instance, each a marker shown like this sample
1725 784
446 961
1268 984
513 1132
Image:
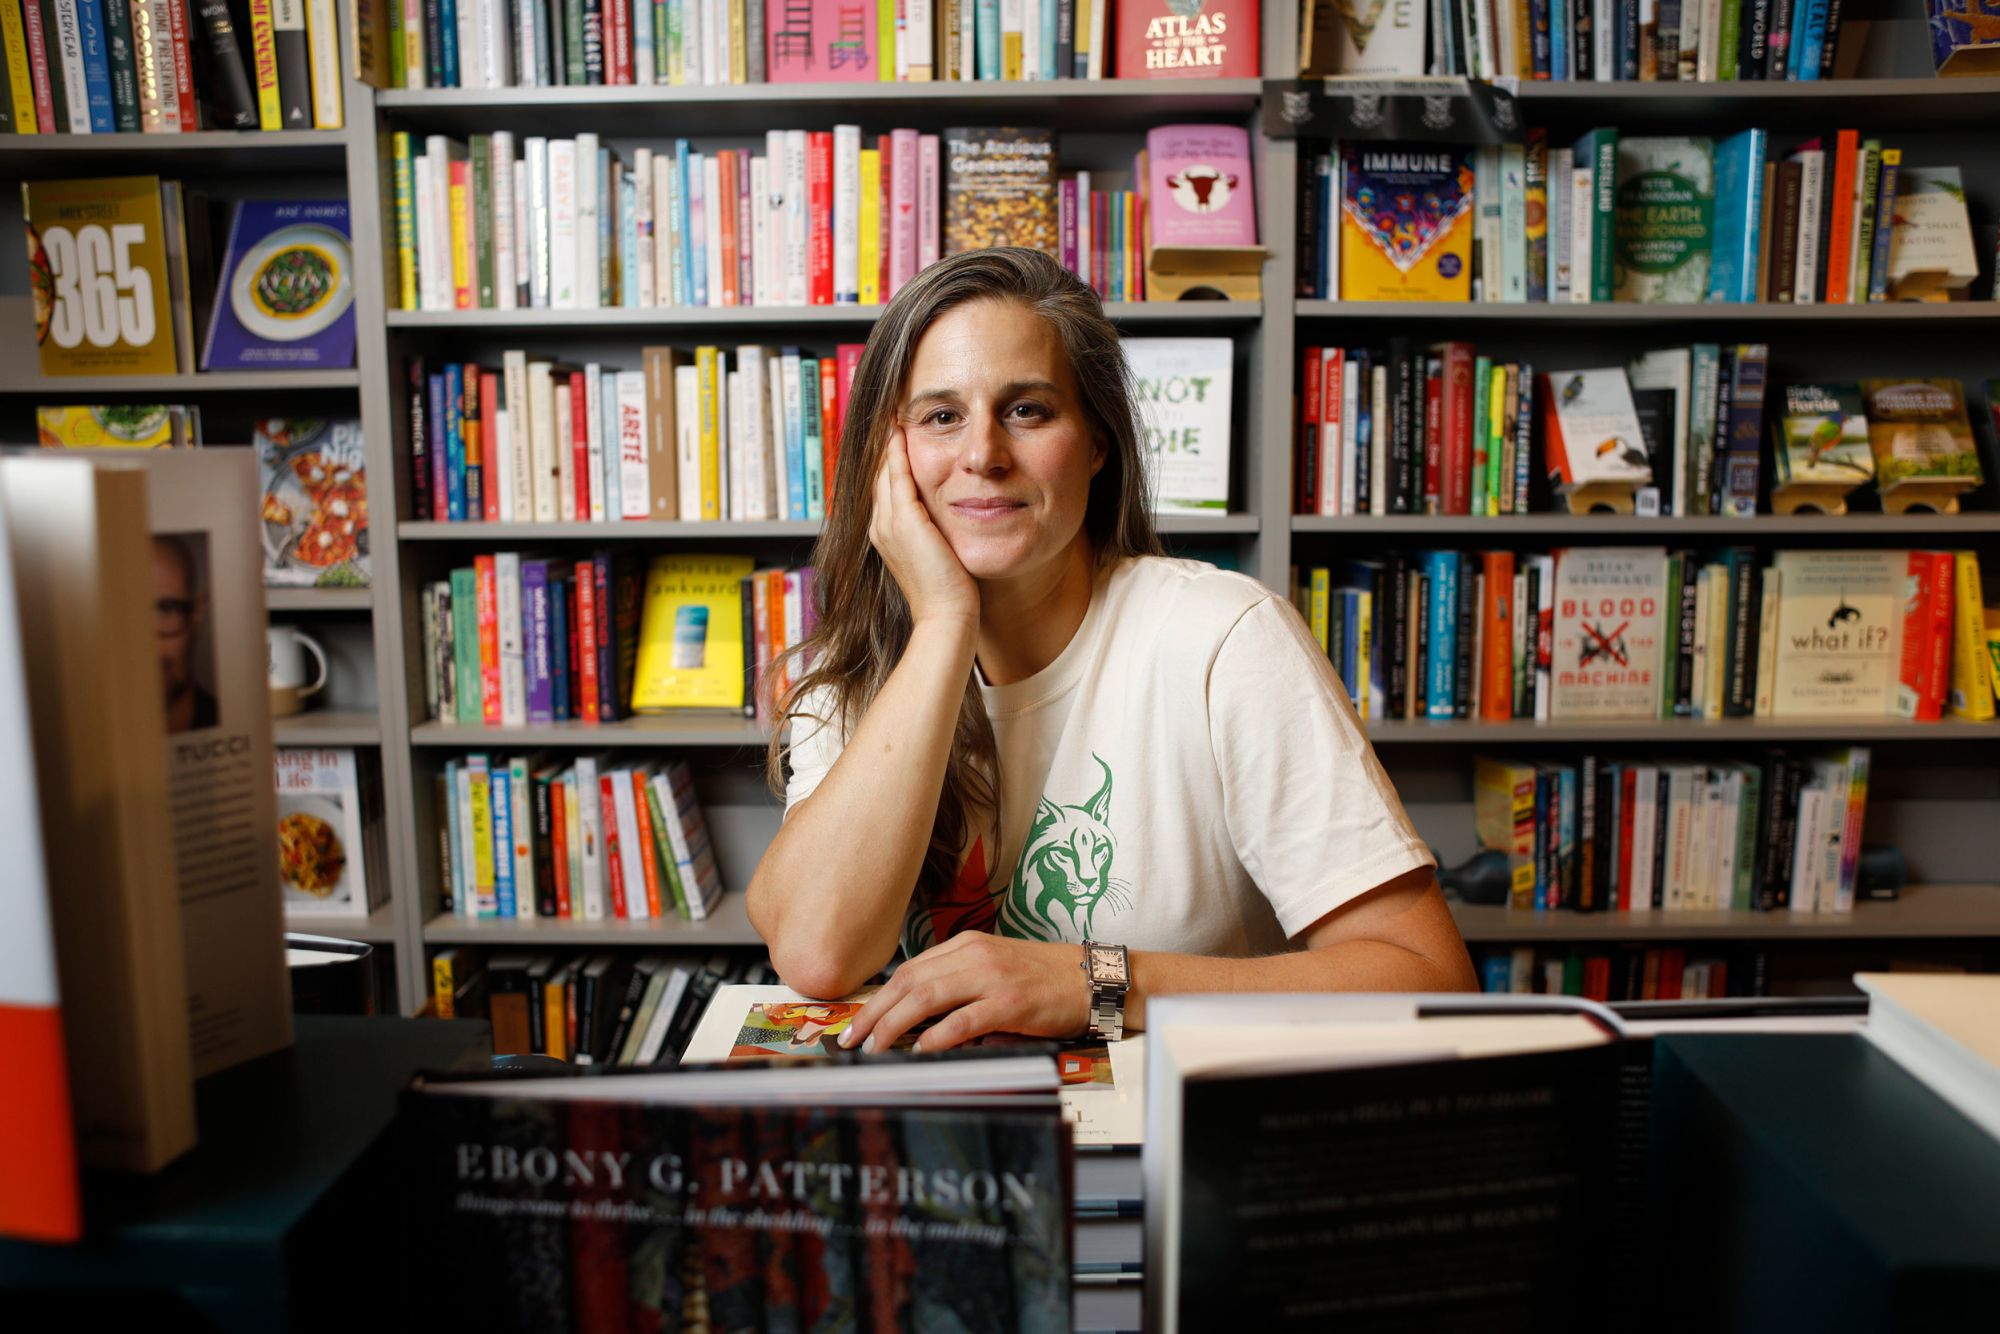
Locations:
1062 674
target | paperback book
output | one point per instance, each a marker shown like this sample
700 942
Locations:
1920 435
1821 435
690 652
315 507
1200 186
286 295
1406 219
1183 391
1838 635
1665 221
324 808
1000 189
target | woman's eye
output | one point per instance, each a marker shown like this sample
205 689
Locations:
942 417
1026 411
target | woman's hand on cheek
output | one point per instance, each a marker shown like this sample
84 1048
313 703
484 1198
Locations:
974 984
933 580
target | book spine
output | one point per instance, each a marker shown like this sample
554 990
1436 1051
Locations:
323 52
820 218
1885 210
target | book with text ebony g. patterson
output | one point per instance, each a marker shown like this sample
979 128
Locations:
887 1193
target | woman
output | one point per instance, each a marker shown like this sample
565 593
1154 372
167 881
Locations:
1024 728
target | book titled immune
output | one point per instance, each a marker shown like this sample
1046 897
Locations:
1405 223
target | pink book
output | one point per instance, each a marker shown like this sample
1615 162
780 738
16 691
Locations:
1198 187
927 200
903 210
826 41
1066 221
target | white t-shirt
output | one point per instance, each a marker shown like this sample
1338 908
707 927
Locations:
1187 775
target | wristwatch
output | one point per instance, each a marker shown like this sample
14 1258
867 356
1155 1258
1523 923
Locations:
1110 974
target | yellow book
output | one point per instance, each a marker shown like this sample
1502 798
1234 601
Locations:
1322 588
264 66
106 426
691 634
1010 45
1406 219
739 42
323 55
443 992
414 65
555 1015
708 373
1496 410
89 322
1503 819
871 227
408 298
1363 610
1993 647
1971 669
15 39
461 241
885 40
484 901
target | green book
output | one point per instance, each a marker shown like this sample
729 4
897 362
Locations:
1604 214
663 851
1864 244
1749 810
815 437
1706 378
1670 658
465 642
574 71
1726 62
124 66
1665 222
1482 388
482 220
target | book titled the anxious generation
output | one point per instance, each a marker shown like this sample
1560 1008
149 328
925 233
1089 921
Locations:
286 298
1000 189
1405 222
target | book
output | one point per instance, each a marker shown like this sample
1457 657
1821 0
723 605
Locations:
1665 218
690 647
315 504
1608 645
1821 435
69 223
1187 39
1593 432
286 294
1740 231
1920 436
1965 37
1839 633
1199 186
1182 387
324 807
1930 242
1000 189
1385 40
820 42
118 426
1406 222
1972 681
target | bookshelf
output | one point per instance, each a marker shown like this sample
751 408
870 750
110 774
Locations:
1925 912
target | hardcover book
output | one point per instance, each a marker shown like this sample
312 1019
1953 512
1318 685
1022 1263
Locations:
691 634
1666 217
315 508
286 295
1610 618
119 322
1199 186
821 41
118 426
1920 433
1821 435
1187 39
1000 189
1406 219
1380 37
323 812
1930 242
1593 430
1839 633
1183 391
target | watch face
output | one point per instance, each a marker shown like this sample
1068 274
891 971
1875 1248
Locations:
1107 963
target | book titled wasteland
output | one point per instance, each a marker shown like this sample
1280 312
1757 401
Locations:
553 1214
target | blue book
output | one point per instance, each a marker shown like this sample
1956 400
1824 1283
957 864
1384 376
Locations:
1350 642
559 710
535 639
1364 429
1329 228
454 836
684 279
1739 203
698 238
815 438
97 65
795 443
1538 29
1048 70
1559 51
986 37
628 241
1566 835
1543 796
1808 37
434 437
1496 971
501 786
607 399
448 45
454 442
1441 573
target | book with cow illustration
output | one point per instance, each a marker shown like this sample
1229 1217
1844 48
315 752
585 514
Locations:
1199 186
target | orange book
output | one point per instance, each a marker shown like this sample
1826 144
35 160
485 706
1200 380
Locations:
829 411
1496 691
648 848
1840 229
774 596
559 844
555 1021
726 210
489 640
586 633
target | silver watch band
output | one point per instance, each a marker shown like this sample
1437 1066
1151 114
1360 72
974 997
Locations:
1107 996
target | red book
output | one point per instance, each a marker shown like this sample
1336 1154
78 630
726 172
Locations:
579 443
489 477
885 194
1156 40
38 69
1840 225
1307 501
850 357
1496 691
1649 985
614 870
1597 978
1455 432
177 28
1100 237
1926 663
489 640
829 411
559 845
1433 435
584 654
819 217
1627 799
618 41
725 166
774 594
1718 979
1673 962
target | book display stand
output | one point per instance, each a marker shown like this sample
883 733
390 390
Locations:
1205 272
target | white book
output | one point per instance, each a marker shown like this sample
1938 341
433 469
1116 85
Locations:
542 442
1768 607
517 501
632 873
588 203
687 444
1645 813
67 41
504 211
781 459
1832 776
847 212
1378 447
1332 361
760 232
1726 836
521 808
1604 41
529 73
1503 26
497 41
646 1046
1486 193
755 429
439 293
1030 12
1850 261
589 805
920 39
645 64
796 222
666 231
1812 188
1350 436
471 46
1672 889
968 62
1582 212
635 481
499 448
1562 167
1012 27
1707 58
423 175
1700 896
536 159
563 420
793 398
608 477
711 231
1099 28
1698 685
687 832
1084 234
563 222
716 27
642 204
1808 845
593 434
737 506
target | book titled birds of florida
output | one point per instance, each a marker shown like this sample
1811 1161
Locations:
1405 222
286 296
1822 435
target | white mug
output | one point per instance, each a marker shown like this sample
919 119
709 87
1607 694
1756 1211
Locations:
285 649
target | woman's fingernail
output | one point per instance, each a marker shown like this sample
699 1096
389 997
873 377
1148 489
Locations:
869 1046
847 1036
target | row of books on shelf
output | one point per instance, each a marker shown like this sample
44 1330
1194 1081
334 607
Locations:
165 66
580 43
1582 40
587 841
821 217
282 297
1681 219
513 640
1676 431
1644 633
1665 973
607 1008
751 433
1600 835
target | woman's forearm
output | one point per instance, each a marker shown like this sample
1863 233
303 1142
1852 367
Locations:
830 894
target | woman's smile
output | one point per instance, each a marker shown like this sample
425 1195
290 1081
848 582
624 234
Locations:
987 509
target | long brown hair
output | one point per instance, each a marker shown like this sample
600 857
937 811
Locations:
864 621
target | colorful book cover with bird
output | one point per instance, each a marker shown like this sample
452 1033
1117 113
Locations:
1822 435
1406 222
1593 430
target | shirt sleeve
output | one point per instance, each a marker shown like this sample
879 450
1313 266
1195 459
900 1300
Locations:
1312 815
816 742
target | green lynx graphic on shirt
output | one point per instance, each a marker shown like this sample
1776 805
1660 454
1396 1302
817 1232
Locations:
1064 875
